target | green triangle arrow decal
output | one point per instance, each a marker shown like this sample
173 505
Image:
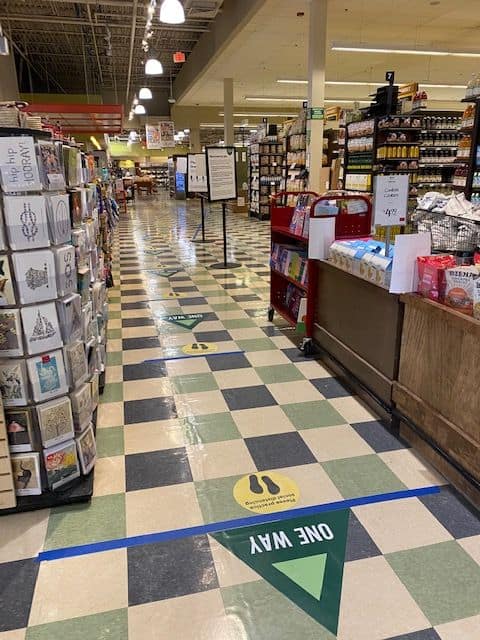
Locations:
185 320
302 557
308 572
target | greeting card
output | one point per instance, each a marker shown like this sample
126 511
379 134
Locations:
70 315
47 375
94 389
61 464
55 421
41 328
65 269
83 284
76 208
19 423
13 383
76 363
18 164
26 222
35 276
7 293
87 450
81 400
10 333
51 165
26 474
58 215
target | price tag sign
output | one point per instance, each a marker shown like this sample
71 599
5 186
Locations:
391 200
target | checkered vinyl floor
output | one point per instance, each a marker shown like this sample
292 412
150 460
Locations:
174 436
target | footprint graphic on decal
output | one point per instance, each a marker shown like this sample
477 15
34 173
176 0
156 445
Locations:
256 487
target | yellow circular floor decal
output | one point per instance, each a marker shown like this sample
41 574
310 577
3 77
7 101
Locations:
266 492
199 348
174 294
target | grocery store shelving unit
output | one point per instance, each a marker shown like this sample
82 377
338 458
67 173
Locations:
159 173
266 175
296 146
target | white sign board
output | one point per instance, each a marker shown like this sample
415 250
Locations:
167 132
404 268
391 200
197 173
153 136
181 164
221 173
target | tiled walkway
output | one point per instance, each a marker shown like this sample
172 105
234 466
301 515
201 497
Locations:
175 434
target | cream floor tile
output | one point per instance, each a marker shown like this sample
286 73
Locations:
153 436
352 409
266 358
109 476
472 547
293 392
334 443
115 323
114 306
399 525
150 388
246 334
110 414
230 570
312 370
186 366
16 634
176 339
261 421
411 469
314 484
114 345
375 604
130 287
282 342
114 373
219 459
139 332
22 535
231 315
197 308
234 378
210 325
196 617
136 313
466 629
89 584
162 509
134 356
140 298
194 404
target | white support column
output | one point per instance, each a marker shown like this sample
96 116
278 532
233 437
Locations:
8 75
316 89
228 130
195 144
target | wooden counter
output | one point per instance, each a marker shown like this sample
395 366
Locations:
438 389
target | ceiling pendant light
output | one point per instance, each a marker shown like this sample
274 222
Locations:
145 94
153 67
140 110
171 12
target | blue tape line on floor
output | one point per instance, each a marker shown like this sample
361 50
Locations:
222 353
164 536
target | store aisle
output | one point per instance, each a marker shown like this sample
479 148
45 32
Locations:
177 431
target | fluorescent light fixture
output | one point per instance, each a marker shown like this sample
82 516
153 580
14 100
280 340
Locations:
135 101
287 81
186 131
442 86
262 115
411 52
140 110
171 12
95 143
181 135
145 94
130 115
272 99
153 67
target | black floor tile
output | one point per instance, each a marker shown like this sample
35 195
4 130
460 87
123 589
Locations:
149 410
454 512
223 362
295 355
248 297
330 388
377 436
279 450
189 302
130 306
132 292
212 336
359 544
157 469
248 397
184 289
137 322
426 634
17 584
132 281
170 569
147 342
144 371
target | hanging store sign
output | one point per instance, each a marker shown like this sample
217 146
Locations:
221 173
197 173
167 131
153 136
391 200
317 113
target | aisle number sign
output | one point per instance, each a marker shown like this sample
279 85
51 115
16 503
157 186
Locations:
317 113
391 200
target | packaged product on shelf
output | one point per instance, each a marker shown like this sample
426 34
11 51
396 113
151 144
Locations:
431 275
10 333
20 429
87 450
459 288
51 165
65 269
13 383
35 276
47 375
58 214
377 268
18 164
7 292
61 464
476 299
26 474
26 222
83 284
55 421
81 400
70 316
76 360
41 328
94 390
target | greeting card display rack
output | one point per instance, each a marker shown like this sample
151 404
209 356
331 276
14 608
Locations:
55 257
266 174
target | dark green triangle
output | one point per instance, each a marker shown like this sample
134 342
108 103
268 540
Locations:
187 321
309 574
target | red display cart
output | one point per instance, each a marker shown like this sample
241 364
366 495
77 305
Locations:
353 219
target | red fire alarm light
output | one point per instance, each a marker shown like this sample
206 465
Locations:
179 56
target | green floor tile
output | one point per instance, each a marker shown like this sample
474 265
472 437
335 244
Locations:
239 323
114 299
443 580
101 519
111 625
204 281
362 476
114 358
214 427
114 334
256 344
215 293
194 382
227 306
309 415
279 373
216 499
114 315
113 392
270 614
110 442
